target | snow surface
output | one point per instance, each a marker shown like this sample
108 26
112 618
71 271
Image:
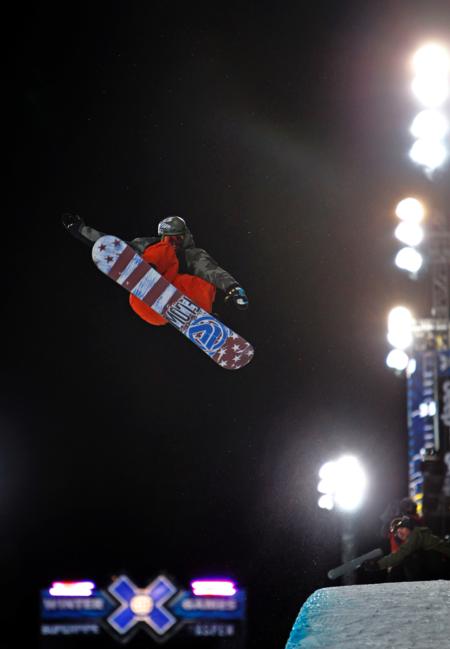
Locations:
404 615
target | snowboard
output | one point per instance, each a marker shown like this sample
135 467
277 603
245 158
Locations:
125 266
354 564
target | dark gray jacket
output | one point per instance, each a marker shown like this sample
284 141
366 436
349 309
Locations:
193 260
421 538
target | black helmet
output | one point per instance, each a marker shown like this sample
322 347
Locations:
403 521
172 226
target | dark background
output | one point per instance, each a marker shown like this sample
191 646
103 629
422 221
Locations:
281 135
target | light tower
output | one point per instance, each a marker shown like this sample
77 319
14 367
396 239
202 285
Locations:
421 345
342 485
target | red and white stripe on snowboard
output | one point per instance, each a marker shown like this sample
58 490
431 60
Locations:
122 264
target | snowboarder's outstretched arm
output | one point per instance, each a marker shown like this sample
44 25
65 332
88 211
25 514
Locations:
78 229
201 264
413 544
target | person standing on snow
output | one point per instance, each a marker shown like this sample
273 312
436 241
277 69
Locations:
175 256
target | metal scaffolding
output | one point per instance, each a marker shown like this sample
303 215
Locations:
429 390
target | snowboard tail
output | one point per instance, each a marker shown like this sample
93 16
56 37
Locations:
125 266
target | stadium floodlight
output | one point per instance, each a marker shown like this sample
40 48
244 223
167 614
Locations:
431 65
409 233
397 360
400 318
429 124
345 483
431 91
410 210
327 471
428 153
409 259
400 339
326 502
400 323
431 58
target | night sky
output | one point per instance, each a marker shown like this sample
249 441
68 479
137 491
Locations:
280 133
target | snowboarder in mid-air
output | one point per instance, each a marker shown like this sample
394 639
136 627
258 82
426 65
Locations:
174 255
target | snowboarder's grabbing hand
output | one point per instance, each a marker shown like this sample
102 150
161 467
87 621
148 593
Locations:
174 254
238 296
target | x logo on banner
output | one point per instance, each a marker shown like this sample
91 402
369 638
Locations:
142 605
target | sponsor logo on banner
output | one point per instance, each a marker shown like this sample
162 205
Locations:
142 605
160 608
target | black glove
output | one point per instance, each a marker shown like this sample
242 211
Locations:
72 221
239 297
371 565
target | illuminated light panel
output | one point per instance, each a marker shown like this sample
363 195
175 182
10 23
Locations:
431 64
410 210
325 486
409 259
431 58
71 588
352 484
400 339
342 483
207 588
327 471
429 125
428 153
400 319
409 233
431 90
326 502
397 359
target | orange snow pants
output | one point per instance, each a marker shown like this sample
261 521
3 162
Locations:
163 257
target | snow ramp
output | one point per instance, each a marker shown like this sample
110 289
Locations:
403 615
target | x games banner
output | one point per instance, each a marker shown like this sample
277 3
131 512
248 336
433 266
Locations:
161 610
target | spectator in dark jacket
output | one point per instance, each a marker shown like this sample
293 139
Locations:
422 554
